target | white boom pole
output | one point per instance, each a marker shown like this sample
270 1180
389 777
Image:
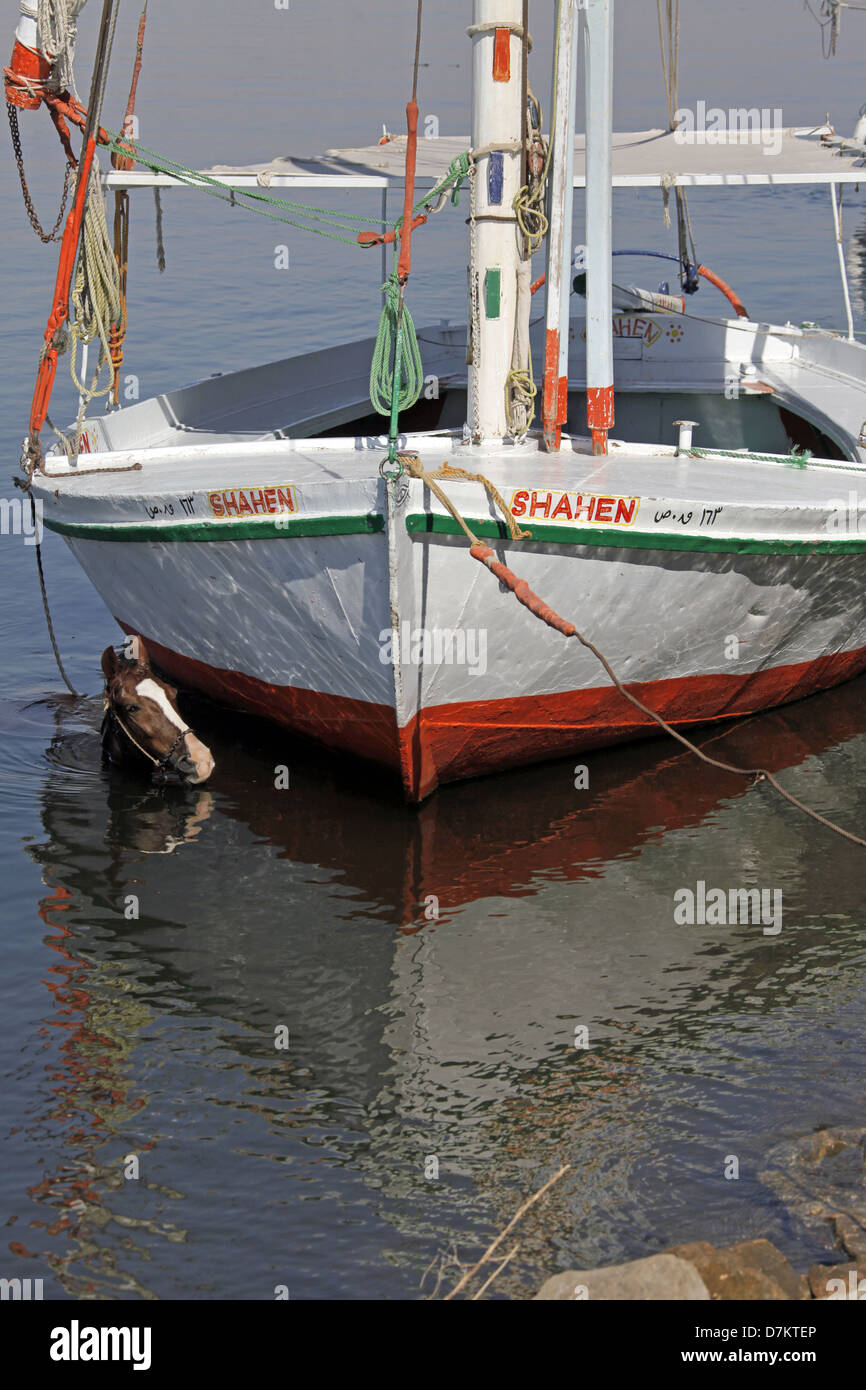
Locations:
597 29
497 136
558 277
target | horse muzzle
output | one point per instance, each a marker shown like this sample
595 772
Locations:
195 763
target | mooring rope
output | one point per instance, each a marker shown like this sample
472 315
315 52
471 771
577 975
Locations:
541 610
413 465
45 608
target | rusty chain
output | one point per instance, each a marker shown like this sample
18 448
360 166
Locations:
54 234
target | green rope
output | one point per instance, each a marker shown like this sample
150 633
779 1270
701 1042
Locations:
246 197
396 372
458 172
797 457
285 210
257 200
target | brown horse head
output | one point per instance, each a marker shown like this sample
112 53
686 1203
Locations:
142 719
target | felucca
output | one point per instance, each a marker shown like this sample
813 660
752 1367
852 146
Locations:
277 552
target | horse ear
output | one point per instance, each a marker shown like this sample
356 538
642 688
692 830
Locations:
109 663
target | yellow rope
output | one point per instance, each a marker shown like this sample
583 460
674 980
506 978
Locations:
413 465
520 393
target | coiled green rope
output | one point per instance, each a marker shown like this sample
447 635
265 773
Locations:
396 356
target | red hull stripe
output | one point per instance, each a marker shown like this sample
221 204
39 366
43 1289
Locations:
354 726
451 742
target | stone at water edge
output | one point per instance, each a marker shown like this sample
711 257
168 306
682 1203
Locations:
751 1270
659 1277
821 1177
850 1235
820 1275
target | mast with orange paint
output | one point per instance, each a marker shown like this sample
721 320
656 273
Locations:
597 33
596 29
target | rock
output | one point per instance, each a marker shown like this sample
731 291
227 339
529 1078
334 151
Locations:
762 1255
821 1177
657 1277
820 1276
754 1269
850 1235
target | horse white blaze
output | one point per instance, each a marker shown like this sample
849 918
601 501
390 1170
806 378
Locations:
149 690
198 753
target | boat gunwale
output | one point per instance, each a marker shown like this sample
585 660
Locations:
420 524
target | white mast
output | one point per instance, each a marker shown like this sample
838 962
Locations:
597 29
558 278
497 136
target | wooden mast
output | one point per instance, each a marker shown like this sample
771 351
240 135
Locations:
497 140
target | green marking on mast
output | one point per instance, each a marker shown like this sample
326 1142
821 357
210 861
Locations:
492 291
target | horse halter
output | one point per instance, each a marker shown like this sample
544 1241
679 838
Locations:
162 763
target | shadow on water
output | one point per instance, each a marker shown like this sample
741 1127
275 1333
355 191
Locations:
433 969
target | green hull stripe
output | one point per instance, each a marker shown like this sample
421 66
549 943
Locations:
620 539
255 529
266 528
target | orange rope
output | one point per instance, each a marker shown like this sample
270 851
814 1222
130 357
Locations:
521 590
542 610
726 290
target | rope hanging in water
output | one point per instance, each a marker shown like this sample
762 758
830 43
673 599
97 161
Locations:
486 556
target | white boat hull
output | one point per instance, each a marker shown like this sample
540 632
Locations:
359 618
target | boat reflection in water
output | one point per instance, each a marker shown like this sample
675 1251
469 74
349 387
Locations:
433 970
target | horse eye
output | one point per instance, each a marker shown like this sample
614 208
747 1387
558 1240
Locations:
133 709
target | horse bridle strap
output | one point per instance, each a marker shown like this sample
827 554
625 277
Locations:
165 760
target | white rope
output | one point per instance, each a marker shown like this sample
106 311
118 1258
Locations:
95 297
491 25
503 147
520 389
95 294
58 30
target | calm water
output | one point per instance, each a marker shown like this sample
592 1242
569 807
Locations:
409 1039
